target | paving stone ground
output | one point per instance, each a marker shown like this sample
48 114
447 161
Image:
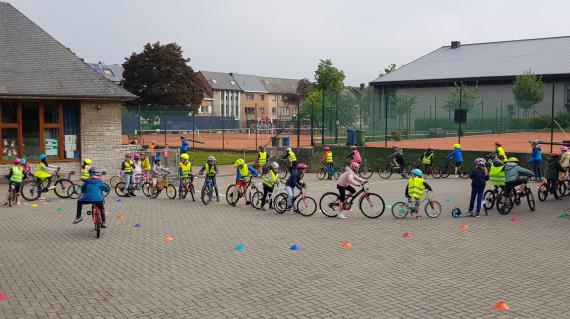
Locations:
50 268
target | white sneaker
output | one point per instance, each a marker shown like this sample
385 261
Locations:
341 216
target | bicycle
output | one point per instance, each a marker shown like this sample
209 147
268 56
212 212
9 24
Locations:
74 191
544 189
139 183
432 208
232 199
432 170
163 184
95 212
188 187
323 172
256 199
303 204
490 197
208 190
385 171
449 169
12 198
509 197
370 204
32 189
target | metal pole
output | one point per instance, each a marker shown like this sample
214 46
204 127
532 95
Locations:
501 126
165 125
435 109
385 95
482 119
323 119
223 127
552 119
461 118
256 122
312 123
298 126
193 130
336 122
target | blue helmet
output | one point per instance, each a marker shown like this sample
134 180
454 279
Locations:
417 172
23 161
157 159
43 157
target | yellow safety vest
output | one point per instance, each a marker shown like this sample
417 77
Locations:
129 167
501 153
292 157
271 179
17 174
416 187
427 159
262 158
329 158
244 172
85 173
210 170
497 175
186 169
146 165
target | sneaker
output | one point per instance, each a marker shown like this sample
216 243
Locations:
341 216
469 214
263 209
51 187
248 203
78 220
477 215
128 195
5 203
103 226
18 203
233 205
133 195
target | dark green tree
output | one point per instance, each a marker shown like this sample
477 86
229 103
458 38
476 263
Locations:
160 75
528 90
328 77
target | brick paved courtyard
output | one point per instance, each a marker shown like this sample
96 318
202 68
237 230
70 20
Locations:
53 269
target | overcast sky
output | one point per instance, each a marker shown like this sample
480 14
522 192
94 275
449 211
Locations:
287 38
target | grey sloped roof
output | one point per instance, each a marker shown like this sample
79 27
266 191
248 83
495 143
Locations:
113 72
249 83
279 85
32 63
547 56
220 81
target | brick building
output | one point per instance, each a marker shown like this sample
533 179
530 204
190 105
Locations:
52 102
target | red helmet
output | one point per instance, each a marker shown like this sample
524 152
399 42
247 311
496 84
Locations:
327 148
355 166
394 146
431 148
302 166
136 156
498 144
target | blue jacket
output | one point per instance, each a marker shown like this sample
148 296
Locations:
478 178
294 179
457 155
536 155
184 146
92 190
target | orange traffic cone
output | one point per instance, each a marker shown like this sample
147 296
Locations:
501 306
346 245
464 227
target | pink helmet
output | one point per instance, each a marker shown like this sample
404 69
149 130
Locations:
302 166
17 160
563 148
327 148
355 166
136 156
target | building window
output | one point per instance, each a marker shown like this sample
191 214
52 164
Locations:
284 111
274 110
28 129
567 85
274 97
262 97
249 110
249 97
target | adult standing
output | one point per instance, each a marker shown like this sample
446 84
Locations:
536 160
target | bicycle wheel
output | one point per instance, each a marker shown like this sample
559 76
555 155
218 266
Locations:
463 173
504 203
279 204
321 174
61 187
336 174
433 208
306 206
146 189
405 171
252 190
400 210
446 171
283 171
329 204
489 199
192 192
29 191
171 191
12 196
115 180
562 188
154 193
106 193
530 199
74 192
385 171
256 200
542 192
365 172
436 172
120 189
206 194
372 205
98 223
232 198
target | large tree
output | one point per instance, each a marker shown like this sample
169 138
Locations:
303 87
160 75
528 90
389 69
461 96
328 77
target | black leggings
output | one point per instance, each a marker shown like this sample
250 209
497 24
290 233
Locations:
342 191
266 190
101 206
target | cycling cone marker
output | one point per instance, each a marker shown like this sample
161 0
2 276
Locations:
346 244
60 210
501 306
3 297
464 227
239 248
449 200
119 200
138 226
407 235
34 205
515 219
168 238
120 218
295 247
388 206
564 214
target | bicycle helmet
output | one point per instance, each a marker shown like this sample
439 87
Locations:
355 166
94 172
327 148
23 161
394 147
274 165
431 148
563 148
43 157
302 166
513 160
157 159
143 154
554 154
211 159
185 156
239 162
456 145
136 156
17 160
498 144
87 161
417 172
353 147
480 161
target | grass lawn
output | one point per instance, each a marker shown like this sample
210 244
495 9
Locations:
199 157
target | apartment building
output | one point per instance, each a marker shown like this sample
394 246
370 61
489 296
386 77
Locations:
278 89
224 95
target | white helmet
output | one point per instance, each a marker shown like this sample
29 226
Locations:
274 165
288 149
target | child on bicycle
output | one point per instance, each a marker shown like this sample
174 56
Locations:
42 173
137 168
270 180
457 155
145 166
427 159
185 172
27 168
479 178
85 169
92 193
262 160
291 158
295 181
553 171
347 181
242 175
211 169
16 176
399 160
327 160
128 167
157 171
415 189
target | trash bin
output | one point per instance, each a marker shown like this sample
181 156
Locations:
285 141
350 136
360 137
275 141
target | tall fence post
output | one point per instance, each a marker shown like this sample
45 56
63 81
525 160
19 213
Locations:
312 123
552 119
